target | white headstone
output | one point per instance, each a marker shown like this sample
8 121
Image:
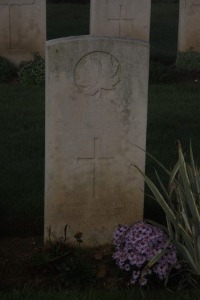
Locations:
22 29
121 18
96 109
189 25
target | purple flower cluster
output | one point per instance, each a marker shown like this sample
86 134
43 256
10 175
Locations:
135 246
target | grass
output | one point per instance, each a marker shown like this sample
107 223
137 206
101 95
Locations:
128 294
173 114
67 20
164 31
22 150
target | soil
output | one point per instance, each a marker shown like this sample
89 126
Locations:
17 273
14 252
18 239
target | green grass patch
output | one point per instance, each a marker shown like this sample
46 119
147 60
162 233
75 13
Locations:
67 20
173 114
22 150
164 31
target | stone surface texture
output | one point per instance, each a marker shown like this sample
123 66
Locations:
96 110
189 25
22 29
126 18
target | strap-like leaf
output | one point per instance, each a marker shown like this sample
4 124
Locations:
158 197
162 185
153 158
187 188
195 172
186 239
186 256
174 172
170 229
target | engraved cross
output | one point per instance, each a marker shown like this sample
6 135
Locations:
120 20
14 40
95 159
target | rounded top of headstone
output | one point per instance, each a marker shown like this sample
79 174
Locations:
17 2
95 38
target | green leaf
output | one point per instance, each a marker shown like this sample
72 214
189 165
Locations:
195 172
162 186
188 242
173 174
170 228
158 197
187 188
154 159
181 204
196 235
187 257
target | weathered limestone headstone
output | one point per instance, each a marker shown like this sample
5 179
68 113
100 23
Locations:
96 109
22 29
189 25
121 18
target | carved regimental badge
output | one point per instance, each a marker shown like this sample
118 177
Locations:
95 72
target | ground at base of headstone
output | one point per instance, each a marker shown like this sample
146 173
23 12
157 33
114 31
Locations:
27 263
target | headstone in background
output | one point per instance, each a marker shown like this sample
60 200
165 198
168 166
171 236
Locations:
22 29
96 109
189 25
126 18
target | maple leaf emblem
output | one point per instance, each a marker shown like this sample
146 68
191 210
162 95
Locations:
97 71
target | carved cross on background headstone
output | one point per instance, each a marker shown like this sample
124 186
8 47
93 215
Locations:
15 19
95 159
121 20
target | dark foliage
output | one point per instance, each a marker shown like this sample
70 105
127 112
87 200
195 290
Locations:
7 70
32 72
